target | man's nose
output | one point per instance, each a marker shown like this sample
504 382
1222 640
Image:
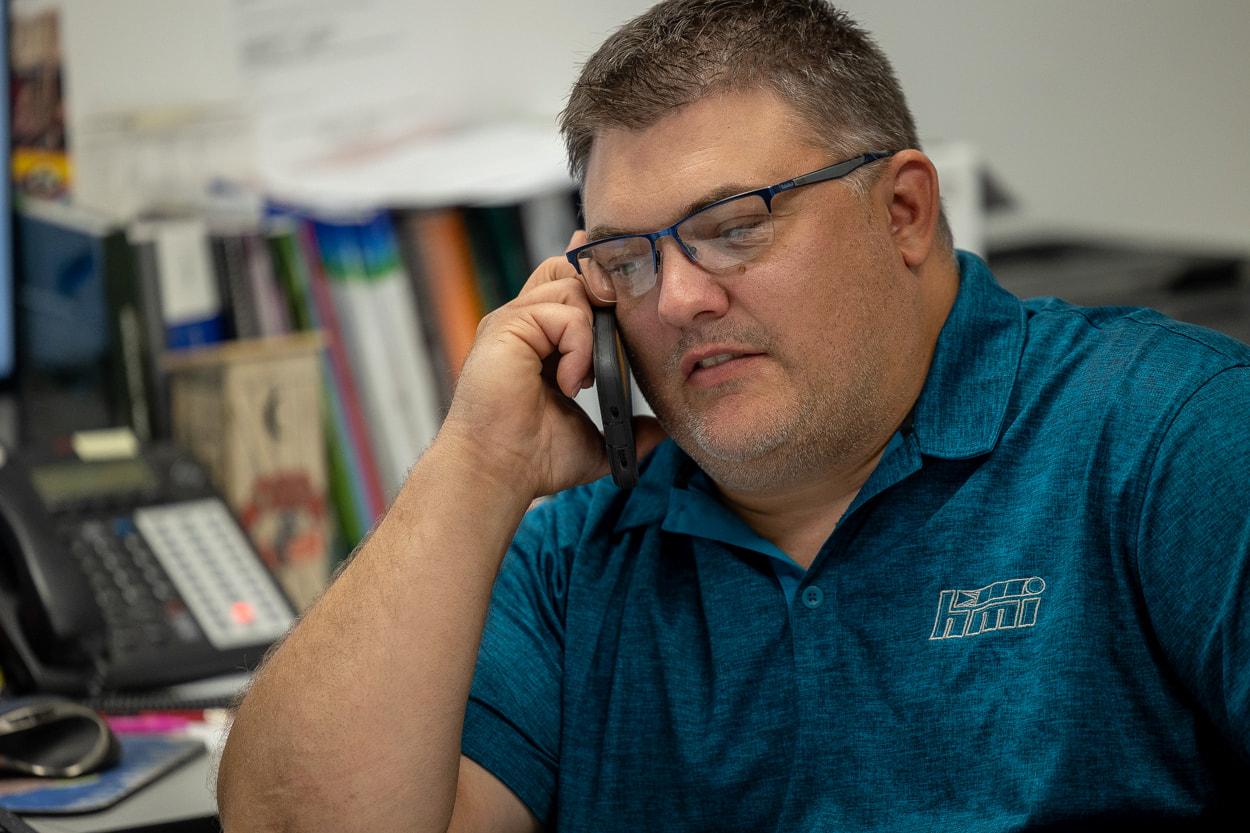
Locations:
686 290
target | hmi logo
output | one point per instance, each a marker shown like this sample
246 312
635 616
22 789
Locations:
998 606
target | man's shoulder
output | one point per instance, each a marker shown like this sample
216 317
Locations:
1129 367
1149 338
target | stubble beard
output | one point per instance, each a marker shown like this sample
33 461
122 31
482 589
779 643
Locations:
776 442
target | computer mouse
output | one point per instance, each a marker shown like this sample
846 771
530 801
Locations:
52 736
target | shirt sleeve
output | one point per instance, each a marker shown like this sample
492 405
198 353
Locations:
1194 551
512 721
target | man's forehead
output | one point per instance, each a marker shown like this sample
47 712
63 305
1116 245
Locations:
703 152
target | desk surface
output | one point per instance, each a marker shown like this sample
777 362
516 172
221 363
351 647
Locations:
183 796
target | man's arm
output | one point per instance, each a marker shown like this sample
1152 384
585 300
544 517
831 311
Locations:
355 721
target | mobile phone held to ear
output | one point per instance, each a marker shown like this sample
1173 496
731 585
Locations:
615 408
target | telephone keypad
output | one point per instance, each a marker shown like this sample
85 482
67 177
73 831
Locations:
176 573
130 593
214 569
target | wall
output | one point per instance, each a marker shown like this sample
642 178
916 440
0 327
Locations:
1120 117
1124 117
1115 117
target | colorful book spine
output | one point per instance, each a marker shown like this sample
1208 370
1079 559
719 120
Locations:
396 307
442 241
347 489
348 392
378 344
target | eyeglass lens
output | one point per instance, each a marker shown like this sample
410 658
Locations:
722 235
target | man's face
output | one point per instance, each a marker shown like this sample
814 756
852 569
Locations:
786 368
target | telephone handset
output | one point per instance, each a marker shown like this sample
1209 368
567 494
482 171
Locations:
615 406
125 572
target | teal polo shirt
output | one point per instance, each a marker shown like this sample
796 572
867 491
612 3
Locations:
1035 615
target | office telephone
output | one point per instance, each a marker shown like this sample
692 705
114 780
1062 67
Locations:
125 572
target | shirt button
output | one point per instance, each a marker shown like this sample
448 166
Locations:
813 596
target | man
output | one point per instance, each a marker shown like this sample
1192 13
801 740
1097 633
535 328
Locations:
917 556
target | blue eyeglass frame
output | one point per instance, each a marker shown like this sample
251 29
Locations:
835 171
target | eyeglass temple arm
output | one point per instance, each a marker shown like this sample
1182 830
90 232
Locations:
835 171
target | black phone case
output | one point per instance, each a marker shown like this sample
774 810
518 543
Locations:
615 408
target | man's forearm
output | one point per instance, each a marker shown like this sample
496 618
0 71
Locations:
355 721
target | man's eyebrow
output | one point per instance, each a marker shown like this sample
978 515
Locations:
723 192
604 232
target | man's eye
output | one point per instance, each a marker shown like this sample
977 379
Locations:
744 231
625 269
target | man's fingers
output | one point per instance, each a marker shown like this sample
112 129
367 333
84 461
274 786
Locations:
552 269
559 334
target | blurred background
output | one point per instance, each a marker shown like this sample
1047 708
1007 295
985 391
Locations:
227 171
1116 117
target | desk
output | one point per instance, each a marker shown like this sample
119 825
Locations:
180 802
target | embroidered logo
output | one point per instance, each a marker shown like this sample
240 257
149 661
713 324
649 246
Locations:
998 606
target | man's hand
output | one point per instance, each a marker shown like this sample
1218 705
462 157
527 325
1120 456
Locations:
512 407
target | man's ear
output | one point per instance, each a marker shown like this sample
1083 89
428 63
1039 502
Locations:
911 187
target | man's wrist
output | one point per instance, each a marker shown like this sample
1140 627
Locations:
482 464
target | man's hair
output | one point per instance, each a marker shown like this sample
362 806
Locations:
682 51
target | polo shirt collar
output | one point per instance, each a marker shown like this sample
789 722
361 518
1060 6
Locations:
662 472
960 412
963 406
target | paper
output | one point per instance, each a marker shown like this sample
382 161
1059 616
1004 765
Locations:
496 164
330 82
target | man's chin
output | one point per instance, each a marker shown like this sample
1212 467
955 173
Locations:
735 450
728 440
735 460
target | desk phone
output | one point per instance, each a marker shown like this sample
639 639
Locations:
121 573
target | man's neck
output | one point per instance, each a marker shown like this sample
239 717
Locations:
799 519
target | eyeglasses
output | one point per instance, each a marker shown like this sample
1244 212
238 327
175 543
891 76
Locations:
724 234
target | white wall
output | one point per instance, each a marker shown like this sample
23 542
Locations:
1122 117
1128 117
1119 117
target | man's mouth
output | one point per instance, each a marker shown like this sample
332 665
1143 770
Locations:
712 361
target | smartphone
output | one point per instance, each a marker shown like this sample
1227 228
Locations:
615 407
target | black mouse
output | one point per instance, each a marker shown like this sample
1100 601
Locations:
55 737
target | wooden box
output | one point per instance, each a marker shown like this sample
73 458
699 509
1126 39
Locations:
251 411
